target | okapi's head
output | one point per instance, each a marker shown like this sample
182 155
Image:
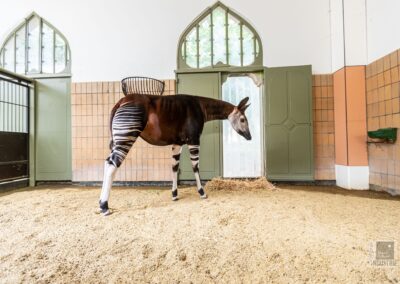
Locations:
239 120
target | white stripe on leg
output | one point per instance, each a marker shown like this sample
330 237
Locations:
109 173
195 159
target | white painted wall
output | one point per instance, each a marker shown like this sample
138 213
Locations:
355 32
383 28
337 34
349 35
113 39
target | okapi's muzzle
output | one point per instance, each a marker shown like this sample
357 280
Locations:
245 134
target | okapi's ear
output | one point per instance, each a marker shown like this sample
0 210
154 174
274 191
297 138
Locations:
242 105
243 109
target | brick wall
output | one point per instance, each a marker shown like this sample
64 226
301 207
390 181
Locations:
383 111
91 106
324 132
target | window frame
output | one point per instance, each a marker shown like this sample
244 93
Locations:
24 25
183 67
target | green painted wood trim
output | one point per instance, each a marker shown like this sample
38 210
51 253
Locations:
245 69
17 76
32 136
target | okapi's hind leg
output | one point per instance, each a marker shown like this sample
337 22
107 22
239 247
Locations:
127 125
195 158
176 154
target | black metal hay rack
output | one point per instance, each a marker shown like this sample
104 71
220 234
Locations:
142 86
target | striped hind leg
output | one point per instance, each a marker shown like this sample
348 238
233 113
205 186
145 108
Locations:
194 151
176 154
127 125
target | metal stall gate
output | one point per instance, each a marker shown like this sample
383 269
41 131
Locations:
14 129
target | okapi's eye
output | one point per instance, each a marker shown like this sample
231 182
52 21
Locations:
242 120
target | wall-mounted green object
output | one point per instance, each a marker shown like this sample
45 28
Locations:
386 134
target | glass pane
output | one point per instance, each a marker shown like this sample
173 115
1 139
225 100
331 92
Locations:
234 41
61 54
33 45
47 49
219 35
242 158
248 46
191 49
205 42
9 55
20 41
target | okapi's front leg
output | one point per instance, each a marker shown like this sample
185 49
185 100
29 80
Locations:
195 158
176 154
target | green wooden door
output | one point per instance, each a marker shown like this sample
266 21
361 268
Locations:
205 85
288 123
53 129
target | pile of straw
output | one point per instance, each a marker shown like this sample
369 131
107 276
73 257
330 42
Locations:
238 184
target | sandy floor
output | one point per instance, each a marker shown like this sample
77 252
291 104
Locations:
303 234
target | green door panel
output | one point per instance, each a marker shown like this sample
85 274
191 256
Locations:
300 99
53 129
278 155
299 149
205 85
277 105
288 123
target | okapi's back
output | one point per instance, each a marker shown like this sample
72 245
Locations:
178 108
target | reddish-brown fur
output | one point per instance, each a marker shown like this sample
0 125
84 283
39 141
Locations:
177 119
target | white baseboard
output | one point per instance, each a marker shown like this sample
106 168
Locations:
352 177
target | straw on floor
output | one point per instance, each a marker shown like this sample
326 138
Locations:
238 184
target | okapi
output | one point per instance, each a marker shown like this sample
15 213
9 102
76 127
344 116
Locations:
166 120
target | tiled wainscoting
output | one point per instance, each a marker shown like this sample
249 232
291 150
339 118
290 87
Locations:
383 110
324 132
91 106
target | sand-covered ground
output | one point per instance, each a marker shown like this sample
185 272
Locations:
294 234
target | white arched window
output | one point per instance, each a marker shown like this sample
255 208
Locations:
35 47
218 38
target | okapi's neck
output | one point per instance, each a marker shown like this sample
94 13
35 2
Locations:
215 109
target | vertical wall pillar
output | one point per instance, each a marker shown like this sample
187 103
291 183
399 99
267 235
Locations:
351 155
349 53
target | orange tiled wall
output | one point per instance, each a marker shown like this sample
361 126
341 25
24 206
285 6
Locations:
383 111
91 106
324 132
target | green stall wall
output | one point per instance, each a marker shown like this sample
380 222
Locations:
53 129
289 123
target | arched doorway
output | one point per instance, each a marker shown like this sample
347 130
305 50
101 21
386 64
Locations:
220 56
39 51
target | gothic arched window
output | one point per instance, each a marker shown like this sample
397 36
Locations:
219 38
35 47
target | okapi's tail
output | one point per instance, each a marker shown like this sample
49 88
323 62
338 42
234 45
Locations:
113 111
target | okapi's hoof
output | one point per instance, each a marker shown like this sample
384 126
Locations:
175 195
203 195
106 213
104 210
